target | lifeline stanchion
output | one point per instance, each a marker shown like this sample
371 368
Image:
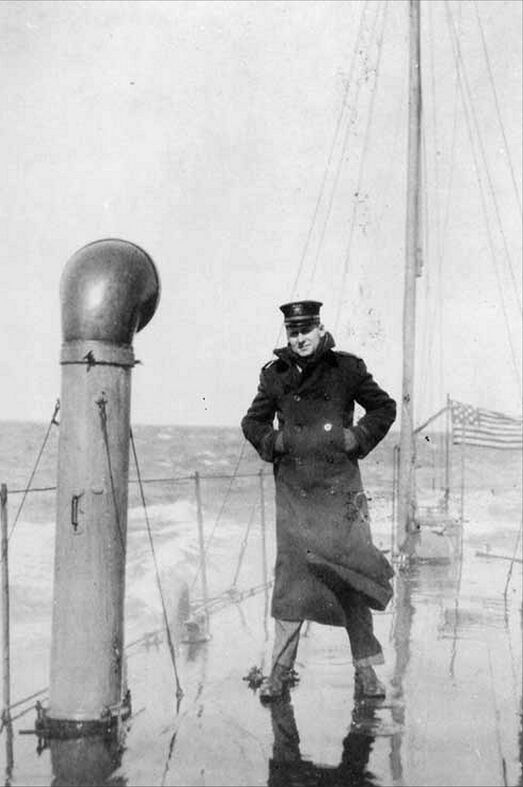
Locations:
203 569
395 466
513 560
224 501
462 490
448 431
263 527
6 683
243 546
170 644
265 578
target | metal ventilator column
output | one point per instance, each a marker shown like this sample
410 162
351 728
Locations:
109 290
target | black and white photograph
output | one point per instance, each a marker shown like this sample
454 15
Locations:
261 436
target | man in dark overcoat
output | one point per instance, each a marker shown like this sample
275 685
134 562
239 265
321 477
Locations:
327 568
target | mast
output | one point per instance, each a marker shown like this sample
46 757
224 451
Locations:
406 491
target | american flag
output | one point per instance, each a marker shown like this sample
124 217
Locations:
474 426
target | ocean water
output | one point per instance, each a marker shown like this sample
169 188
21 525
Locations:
229 468
230 481
168 458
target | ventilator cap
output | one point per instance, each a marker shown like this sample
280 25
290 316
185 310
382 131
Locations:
301 313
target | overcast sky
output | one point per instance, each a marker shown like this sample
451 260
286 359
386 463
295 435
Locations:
202 132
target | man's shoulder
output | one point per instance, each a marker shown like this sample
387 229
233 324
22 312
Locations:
275 365
349 364
348 360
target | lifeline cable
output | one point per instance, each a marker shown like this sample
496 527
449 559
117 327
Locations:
17 704
52 422
179 691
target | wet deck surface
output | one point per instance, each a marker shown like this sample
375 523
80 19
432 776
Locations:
452 714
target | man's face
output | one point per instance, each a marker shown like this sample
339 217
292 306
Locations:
305 339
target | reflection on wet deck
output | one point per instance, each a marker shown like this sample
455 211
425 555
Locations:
452 715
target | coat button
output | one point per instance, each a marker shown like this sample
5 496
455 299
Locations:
297 397
332 490
327 427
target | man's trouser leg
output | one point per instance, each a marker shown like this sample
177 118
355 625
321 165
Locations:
366 649
286 639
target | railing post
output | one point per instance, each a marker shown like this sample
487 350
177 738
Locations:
448 428
6 659
462 491
203 568
265 572
6 684
395 463
263 529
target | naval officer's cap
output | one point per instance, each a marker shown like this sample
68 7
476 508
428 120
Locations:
298 314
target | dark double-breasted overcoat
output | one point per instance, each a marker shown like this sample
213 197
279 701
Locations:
324 541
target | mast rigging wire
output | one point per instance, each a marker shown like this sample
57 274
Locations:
360 170
458 61
400 115
331 153
439 300
443 228
340 158
442 223
496 101
464 85
428 321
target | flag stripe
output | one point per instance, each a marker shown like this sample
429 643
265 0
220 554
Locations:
499 433
470 438
487 428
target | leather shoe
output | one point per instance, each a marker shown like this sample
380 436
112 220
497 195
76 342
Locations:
277 684
271 688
